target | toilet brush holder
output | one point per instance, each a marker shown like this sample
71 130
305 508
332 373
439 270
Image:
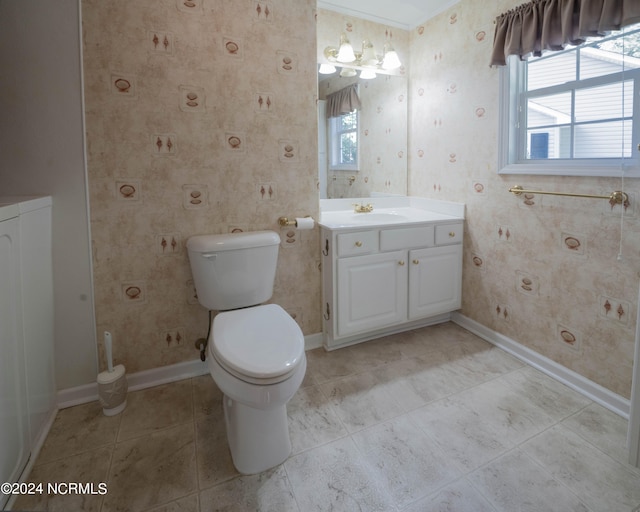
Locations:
112 390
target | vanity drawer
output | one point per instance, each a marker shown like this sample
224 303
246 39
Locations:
406 238
449 234
362 242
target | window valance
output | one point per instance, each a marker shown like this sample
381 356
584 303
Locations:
552 24
343 101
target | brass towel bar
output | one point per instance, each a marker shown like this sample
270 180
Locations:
616 197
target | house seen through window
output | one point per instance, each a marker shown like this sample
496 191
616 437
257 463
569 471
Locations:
344 138
575 111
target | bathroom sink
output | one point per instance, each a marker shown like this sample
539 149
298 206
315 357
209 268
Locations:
381 217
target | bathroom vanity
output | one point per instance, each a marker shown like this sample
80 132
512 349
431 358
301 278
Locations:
389 268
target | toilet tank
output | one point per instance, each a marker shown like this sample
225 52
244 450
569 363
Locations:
234 270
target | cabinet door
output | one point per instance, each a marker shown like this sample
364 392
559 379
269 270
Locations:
14 427
372 292
435 280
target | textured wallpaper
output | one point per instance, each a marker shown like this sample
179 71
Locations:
201 118
542 270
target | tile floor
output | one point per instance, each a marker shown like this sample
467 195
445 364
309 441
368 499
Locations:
430 420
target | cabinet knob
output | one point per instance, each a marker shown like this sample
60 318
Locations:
415 262
358 243
401 263
452 234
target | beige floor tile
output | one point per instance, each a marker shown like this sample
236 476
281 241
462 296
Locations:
515 482
360 401
207 398
214 458
404 460
78 429
90 467
601 482
554 398
334 477
459 496
505 410
269 491
461 432
602 428
312 420
152 470
188 504
156 408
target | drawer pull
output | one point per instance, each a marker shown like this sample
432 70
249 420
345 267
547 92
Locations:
358 243
452 234
401 263
415 262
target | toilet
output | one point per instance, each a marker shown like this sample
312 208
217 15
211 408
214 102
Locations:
255 351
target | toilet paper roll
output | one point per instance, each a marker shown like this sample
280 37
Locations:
304 223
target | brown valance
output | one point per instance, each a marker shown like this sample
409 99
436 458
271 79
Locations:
343 101
552 24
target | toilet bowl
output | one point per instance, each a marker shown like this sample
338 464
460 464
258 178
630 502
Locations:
255 351
257 378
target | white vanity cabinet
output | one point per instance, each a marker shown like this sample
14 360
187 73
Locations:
387 279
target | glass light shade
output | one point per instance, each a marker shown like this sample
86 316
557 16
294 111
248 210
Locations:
348 72
326 69
367 74
368 54
391 59
345 53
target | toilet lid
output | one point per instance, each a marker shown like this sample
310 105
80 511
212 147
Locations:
261 342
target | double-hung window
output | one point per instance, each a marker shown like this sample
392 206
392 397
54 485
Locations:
574 112
344 142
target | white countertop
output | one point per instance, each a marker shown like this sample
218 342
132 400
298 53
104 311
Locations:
387 211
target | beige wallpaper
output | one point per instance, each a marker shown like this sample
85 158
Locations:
201 118
542 270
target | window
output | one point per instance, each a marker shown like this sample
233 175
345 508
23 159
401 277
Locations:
343 140
574 112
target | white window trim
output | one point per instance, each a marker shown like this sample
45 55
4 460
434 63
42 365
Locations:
334 147
508 131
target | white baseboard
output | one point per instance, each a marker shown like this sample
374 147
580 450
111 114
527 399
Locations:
154 377
599 394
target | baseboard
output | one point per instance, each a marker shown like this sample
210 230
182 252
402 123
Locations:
154 377
599 394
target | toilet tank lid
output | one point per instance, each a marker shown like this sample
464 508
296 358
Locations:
232 241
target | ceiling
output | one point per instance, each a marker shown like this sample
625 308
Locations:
406 14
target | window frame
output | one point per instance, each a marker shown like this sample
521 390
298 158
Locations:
512 139
334 134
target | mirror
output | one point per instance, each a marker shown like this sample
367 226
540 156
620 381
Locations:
383 119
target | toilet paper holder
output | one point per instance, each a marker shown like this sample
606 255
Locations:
285 221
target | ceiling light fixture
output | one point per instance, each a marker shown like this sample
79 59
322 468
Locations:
366 60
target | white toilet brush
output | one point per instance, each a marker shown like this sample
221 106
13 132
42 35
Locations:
112 384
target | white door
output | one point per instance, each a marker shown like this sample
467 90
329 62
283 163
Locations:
372 292
435 280
14 428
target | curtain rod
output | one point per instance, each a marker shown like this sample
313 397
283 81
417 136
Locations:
616 197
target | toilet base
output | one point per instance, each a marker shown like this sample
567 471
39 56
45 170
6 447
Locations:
258 438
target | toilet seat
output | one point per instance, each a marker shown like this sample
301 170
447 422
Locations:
260 345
